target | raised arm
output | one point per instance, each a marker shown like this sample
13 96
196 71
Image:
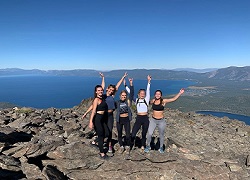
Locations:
120 82
89 109
147 98
126 87
95 103
175 97
132 91
103 81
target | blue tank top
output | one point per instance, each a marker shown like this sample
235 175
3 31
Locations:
110 102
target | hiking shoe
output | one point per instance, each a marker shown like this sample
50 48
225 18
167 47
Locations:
94 144
127 150
147 149
142 149
105 157
110 149
161 150
121 150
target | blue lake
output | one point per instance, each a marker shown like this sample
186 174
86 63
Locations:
246 119
68 91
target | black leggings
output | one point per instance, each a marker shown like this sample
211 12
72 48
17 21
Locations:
109 121
141 121
123 121
100 130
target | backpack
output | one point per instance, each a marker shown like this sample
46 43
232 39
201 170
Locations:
144 101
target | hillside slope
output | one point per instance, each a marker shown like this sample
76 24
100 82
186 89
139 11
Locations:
231 73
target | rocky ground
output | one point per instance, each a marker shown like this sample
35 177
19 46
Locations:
54 144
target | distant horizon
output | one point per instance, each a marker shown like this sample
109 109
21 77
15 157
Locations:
190 68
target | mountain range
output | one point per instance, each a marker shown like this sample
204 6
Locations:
230 73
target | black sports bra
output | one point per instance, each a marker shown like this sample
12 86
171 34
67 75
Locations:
157 107
102 106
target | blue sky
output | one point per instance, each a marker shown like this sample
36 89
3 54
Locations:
119 34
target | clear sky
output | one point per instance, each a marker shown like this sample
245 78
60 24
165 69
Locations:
119 34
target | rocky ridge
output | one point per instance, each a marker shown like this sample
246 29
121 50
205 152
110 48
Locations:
54 144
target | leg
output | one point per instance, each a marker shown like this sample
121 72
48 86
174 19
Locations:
127 131
144 130
110 126
151 128
162 126
119 130
135 129
98 123
106 129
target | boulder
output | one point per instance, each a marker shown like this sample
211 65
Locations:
9 163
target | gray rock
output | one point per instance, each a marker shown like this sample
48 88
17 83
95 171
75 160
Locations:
234 167
13 150
30 170
9 163
51 172
2 145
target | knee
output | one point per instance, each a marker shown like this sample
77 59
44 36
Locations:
149 134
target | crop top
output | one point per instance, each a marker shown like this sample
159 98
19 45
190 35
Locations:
102 106
123 107
110 102
157 107
142 104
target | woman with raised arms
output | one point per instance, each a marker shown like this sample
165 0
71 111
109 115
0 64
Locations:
157 119
124 116
142 120
109 98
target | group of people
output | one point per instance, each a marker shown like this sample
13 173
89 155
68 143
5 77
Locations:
104 105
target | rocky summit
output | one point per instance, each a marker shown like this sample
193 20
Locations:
55 144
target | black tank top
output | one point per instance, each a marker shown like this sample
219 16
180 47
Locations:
157 107
102 106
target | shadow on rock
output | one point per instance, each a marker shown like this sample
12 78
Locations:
15 137
11 175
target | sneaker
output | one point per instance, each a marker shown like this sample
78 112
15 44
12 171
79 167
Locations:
121 150
105 157
94 144
142 149
161 150
127 150
110 149
147 149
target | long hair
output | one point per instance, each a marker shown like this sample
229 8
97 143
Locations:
124 91
97 86
161 99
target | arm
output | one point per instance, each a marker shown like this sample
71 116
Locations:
175 97
93 113
132 91
147 98
89 109
120 82
126 87
103 81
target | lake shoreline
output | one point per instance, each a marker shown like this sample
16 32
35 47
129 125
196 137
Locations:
231 115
